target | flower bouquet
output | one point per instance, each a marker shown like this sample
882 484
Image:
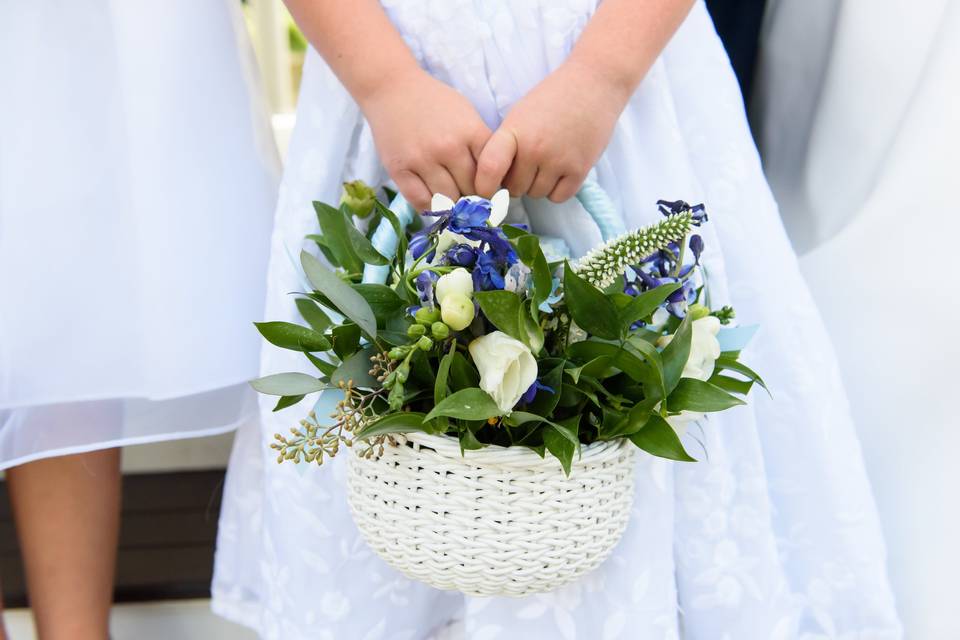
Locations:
495 393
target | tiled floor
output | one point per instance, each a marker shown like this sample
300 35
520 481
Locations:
180 620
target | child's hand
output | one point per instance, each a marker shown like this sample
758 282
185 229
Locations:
553 136
427 135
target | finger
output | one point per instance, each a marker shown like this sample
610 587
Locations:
464 170
520 177
566 188
494 161
413 189
544 184
439 180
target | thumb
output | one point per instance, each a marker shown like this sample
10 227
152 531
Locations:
494 161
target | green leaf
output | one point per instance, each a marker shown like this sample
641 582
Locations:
383 300
287 384
292 336
658 438
730 362
311 312
327 368
334 225
731 384
503 309
631 364
676 354
347 301
346 340
463 375
562 442
468 441
512 232
530 253
440 389
404 422
466 404
356 368
398 229
593 311
288 401
646 303
361 246
545 402
696 395
529 325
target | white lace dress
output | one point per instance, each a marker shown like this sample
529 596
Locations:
773 536
137 179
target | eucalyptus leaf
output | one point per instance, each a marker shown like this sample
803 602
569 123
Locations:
404 422
325 367
658 438
383 300
288 384
292 336
466 404
311 312
288 401
347 301
356 368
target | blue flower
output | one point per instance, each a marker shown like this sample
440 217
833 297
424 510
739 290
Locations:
696 246
461 255
419 242
468 214
532 390
424 283
486 274
698 213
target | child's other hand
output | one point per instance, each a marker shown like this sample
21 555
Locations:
553 136
427 135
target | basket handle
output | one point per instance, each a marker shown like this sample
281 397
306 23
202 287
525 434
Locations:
594 200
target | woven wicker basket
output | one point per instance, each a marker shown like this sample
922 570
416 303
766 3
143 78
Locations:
497 521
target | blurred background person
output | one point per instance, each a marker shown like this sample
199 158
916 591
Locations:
856 109
137 182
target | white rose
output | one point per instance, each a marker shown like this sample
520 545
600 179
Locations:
506 366
457 281
704 348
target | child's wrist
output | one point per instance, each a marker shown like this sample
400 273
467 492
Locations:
613 83
386 81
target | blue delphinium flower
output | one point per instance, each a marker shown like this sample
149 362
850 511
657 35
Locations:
532 390
468 214
698 213
425 283
419 242
486 273
696 247
461 255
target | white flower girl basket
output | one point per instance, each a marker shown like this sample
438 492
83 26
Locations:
495 521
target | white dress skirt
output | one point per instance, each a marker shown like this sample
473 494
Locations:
137 180
876 228
772 536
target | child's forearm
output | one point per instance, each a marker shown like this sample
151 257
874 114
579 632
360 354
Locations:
623 39
358 42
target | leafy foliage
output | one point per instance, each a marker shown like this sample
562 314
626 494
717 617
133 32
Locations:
609 341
